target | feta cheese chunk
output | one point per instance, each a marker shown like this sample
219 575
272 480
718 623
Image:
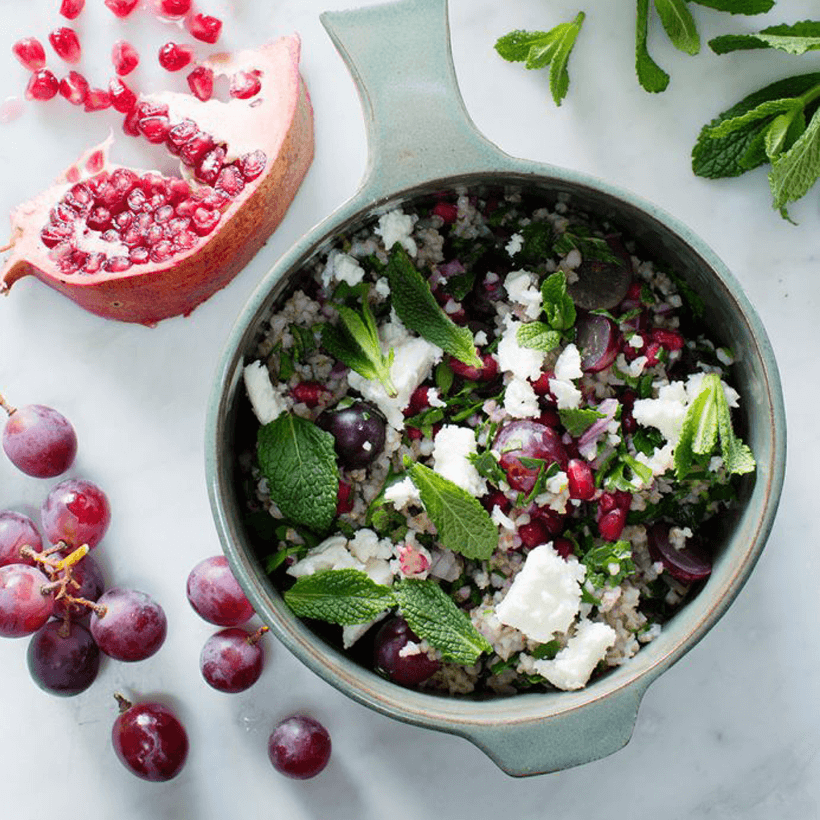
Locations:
397 226
545 596
572 666
522 362
522 288
515 244
402 493
567 368
342 268
267 404
452 448
520 400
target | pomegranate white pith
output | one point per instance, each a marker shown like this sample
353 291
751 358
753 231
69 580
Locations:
148 277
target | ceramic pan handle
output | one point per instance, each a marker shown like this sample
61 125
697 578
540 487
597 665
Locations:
417 126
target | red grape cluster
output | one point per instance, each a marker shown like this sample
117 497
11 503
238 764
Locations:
53 590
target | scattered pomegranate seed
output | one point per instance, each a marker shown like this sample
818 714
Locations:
553 521
121 8
230 181
122 97
563 546
155 129
97 99
309 393
74 88
201 83
541 385
580 479
174 8
124 57
496 499
181 133
244 84
65 43
487 372
196 148
70 9
612 524
419 400
252 164
344 498
447 211
173 56
204 27
30 52
42 86
208 169
670 339
533 534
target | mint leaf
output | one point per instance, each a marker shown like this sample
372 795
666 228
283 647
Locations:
433 616
759 112
793 39
538 49
417 308
339 596
650 75
783 131
299 462
463 525
578 420
356 344
738 6
602 559
796 170
557 305
538 336
679 25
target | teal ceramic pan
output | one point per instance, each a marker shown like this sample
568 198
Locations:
421 140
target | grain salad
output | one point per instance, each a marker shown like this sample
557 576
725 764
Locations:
494 445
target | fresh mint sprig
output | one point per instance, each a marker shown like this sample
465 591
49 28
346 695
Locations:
539 49
355 343
707 422
559 316
416 306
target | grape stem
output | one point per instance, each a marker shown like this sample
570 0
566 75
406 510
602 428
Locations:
123 702
6 406
254 639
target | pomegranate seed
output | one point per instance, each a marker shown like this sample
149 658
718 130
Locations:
124 57
154 234
553 521
612 524
185 240
533 534
181 133
62 213
52 235
94 164
154 129
161 251
196 148
64 41
139 255
541 385
309 393
152 109
74 88
496 499
174 8
94 263
204 27
110 236
30 52
230 181
80 198
670 339
164 214
123 180
447 211
42 86
252 164
70 9
122 97
130 125
186 208
414 434
121 8
152 183
97 99
487 372
118 264
132 237
201 83
563 546
215 200
123 220
210 165
99 219
177 224
136 199
203 220
244 84
344 498
580 479
173 57
419 400
177 190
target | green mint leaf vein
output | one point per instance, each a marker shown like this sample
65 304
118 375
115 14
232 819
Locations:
339 596
679 25
417 308
795 171
793 39
738 6
650 75
462 524
434 617
538 336
557 305
299 462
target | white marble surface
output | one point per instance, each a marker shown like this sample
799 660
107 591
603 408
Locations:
729 732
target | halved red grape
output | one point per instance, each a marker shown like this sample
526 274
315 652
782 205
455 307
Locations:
130 627
602 284
75 512
687 564
24 607
16 531
231 659
598 341
405 669
39 441
528 439
215 594
63 658
299 747
149 740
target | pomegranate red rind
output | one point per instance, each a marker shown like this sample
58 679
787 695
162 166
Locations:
277 121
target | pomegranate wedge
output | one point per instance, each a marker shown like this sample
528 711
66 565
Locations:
140 247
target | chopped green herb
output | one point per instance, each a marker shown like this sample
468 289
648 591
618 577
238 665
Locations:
609 563
578 421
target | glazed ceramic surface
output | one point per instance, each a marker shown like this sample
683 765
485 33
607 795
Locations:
421 140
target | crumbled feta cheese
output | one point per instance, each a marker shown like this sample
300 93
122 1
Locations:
266 403
523 362
445 565
453 446
342 268
499 518
545 596
433 398
568 365
666 412
382 287
402 493
521 287
480 338
520 400
567 395
366 544
515 244
572 666
332 553
396 226
661 460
